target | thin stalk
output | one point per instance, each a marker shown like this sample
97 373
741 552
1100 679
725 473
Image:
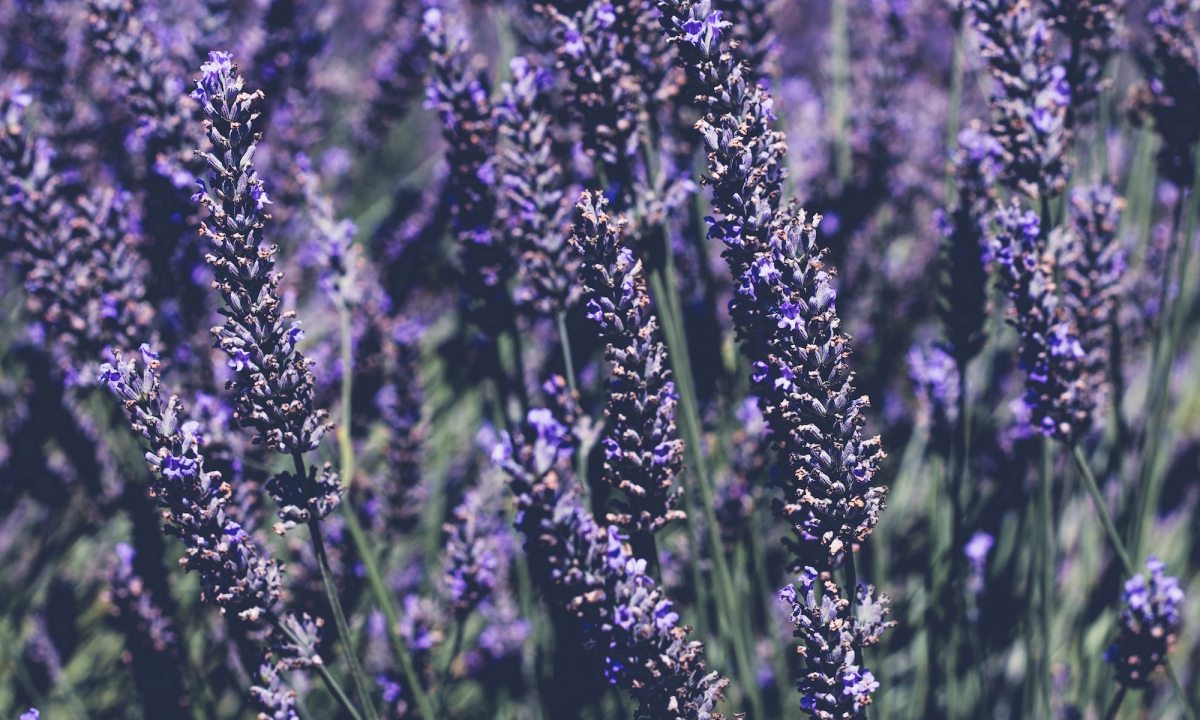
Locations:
331 682
839 100
1127 564
1114 705
1174 325
564 339
726 603
1114 537
460 625
1160 364
1046 520
339 620
384 598
359 537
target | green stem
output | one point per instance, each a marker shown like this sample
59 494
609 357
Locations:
564 340
380 592
726 603
839 101
335 688
1126 563
1155 461
1046 520
1114 537
359 537
1114 705
456 645
339 620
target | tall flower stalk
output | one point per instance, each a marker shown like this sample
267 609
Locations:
642 452
783 308
271 380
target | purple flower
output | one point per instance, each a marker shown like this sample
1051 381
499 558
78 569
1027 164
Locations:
1148 625
642 450
832 684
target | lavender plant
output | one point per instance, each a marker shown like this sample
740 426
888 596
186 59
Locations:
642 452
492 547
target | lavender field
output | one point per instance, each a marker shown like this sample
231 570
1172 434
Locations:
599 359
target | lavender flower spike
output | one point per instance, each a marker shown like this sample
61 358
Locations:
784 306
272 383
1148 625
1057 393
642 452
1032 94
833 684
236 574
590 572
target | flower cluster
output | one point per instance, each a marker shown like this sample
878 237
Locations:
1091 29
78 256
1093 265
590 572
603 87
460 92
1171 93
236 573
935 377
1032 94
151 639
533 209
272 382
478 547
833 684
642 451
962 300
1057 393
1148 625
399 402
783 308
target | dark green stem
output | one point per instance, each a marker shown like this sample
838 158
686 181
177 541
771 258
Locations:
1114 705
339 619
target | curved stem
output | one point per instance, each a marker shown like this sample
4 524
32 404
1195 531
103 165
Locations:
391 619
564 339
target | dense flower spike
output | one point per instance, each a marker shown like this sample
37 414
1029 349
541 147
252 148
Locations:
272 382
935 378
478 546
399 402
1091 30
1032 94
1092 268
533 209
589 571
642 451
962 296
1148 625
833 683
459 90
604 90
152 641
78 257
784 306
1171 93
236 573
1057 392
